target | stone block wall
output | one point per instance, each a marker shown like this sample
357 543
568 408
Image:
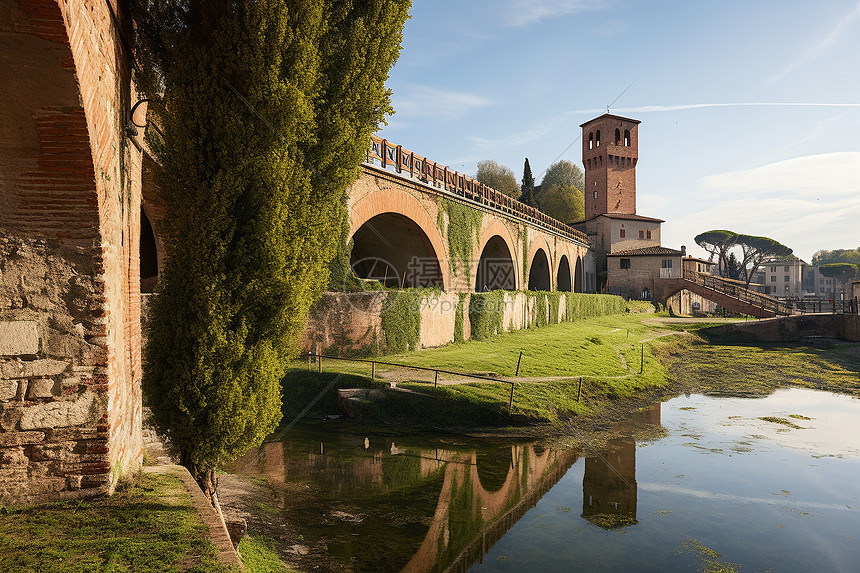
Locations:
70 405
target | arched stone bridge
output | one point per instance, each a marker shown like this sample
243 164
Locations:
426 226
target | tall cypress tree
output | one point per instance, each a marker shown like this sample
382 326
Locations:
264 108
527 193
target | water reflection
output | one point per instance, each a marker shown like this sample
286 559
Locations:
417 503
609 490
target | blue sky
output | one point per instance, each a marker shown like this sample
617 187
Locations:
718 146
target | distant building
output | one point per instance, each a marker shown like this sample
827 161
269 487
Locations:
791 277
783 277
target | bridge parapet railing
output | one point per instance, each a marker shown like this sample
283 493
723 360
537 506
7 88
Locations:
463 186
730 288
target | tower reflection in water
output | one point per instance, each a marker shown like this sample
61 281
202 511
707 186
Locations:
423 504
609 494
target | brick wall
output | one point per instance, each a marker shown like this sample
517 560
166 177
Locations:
69 270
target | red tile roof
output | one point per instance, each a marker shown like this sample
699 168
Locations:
628 217
646 252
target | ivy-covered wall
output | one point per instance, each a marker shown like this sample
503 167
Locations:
395 321
462 227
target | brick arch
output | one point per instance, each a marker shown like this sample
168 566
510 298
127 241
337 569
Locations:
71 175
496 227
390 200
534 246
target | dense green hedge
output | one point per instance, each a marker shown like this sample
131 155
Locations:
401 319
486 310
458 319
580 305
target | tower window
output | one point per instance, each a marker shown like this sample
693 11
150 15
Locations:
626 138
595 194
591 140
617 136
648 233
623 233
641 234
625 263
600 159
597 139
588 163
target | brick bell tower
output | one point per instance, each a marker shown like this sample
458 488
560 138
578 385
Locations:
610 151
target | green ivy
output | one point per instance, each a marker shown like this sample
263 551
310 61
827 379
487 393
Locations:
540 309
458 319
524 237
580 305
464 226
486 310
401 319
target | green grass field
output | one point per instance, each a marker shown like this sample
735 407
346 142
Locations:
606 352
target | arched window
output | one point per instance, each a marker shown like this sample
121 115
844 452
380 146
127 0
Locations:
591 140
626 138
597 139
617 136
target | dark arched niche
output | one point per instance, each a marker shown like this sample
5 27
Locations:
496 267
539 278
148 255
577 276
562 279
393 250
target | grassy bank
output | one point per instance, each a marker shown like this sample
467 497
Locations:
149 525
605 352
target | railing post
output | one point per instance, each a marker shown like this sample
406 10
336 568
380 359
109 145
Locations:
511 402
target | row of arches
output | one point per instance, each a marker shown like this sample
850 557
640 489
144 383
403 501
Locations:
394 250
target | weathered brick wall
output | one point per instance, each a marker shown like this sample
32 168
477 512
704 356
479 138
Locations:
69 271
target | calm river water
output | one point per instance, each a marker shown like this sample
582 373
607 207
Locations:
696 483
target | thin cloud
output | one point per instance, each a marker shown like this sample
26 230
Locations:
442 106
822 47
807 203
682 107
524 12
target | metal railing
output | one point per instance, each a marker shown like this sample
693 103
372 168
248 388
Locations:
462 186
373 363
732 289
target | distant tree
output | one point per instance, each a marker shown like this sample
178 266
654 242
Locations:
733 267
836 256
265 110
718 243
842 272
755 250
498 177
564 203
527 191
563 173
